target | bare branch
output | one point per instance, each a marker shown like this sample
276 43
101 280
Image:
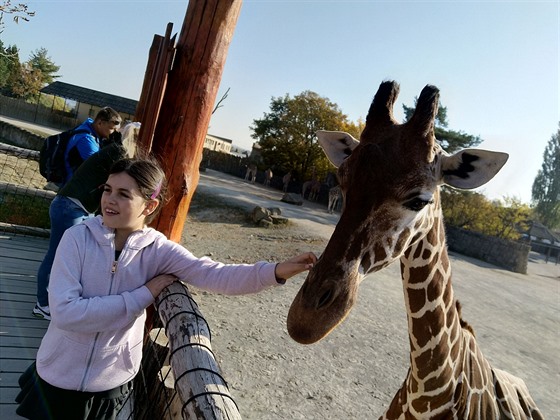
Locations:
222 99
20 11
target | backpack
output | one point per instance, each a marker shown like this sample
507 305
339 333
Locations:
51 156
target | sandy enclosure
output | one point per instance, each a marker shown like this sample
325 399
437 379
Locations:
355 371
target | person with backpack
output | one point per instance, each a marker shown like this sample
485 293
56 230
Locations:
63 153
78 200
84 144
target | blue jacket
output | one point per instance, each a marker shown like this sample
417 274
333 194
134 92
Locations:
94 340
80 147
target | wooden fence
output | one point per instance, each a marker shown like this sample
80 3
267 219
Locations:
35 113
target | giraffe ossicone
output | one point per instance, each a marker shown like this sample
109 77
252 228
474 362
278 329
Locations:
390 182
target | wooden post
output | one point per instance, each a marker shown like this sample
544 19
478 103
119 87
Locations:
197 375
191 91
160 58
149 74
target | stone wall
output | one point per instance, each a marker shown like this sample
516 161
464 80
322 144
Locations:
503 253
19 137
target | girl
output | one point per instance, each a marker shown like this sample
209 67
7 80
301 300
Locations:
99 291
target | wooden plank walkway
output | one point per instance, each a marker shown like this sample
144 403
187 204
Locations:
20 332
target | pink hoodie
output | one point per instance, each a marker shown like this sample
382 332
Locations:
94 340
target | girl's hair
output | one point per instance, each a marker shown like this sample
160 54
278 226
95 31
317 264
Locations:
148 175
129 142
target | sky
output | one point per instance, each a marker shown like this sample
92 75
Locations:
495 62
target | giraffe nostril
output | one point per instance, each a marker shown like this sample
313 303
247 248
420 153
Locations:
324 299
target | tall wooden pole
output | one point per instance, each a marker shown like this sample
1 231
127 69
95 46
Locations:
190 94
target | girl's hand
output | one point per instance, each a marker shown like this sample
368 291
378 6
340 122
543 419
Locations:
158 283
294 265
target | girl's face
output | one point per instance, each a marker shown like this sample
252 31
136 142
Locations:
123 207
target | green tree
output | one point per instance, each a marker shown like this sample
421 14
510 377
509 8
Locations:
13 70
546 186
286 134
450 140
39 60
9 64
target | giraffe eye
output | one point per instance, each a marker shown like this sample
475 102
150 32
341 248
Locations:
417 204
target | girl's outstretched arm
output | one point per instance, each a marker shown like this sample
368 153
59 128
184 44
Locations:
294 265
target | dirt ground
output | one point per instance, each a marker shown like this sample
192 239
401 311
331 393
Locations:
355 371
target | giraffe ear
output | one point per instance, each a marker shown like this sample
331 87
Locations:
337 145
471 168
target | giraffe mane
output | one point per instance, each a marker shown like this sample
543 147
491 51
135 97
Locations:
464 324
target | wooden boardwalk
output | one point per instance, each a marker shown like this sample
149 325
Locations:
20 332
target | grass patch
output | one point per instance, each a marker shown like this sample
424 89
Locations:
24 210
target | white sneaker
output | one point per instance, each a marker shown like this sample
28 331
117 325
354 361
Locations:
51 186
42 312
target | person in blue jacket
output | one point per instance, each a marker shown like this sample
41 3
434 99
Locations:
84 144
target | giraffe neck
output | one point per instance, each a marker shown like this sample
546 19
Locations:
433 321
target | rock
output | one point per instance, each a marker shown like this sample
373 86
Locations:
265 223
279 220
259 213
292 198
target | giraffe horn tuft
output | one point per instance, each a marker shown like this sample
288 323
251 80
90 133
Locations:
380 114
423 119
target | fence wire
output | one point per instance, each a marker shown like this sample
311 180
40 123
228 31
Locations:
24 210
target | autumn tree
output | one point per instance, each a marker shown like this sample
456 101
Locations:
472 211
27 82
546 186
286 134
450 140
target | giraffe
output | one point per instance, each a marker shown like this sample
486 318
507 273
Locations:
251 174
315 190
390 182
268 174
306 186
334 198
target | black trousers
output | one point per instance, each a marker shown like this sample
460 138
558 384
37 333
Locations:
39 400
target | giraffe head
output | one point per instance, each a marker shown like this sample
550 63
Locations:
390 181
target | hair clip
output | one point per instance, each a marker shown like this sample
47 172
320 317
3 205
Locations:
156 191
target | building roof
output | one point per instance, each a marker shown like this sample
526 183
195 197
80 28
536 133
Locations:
211 136
90 96
541 232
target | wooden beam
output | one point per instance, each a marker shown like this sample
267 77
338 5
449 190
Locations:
198 378
190 94
160 58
